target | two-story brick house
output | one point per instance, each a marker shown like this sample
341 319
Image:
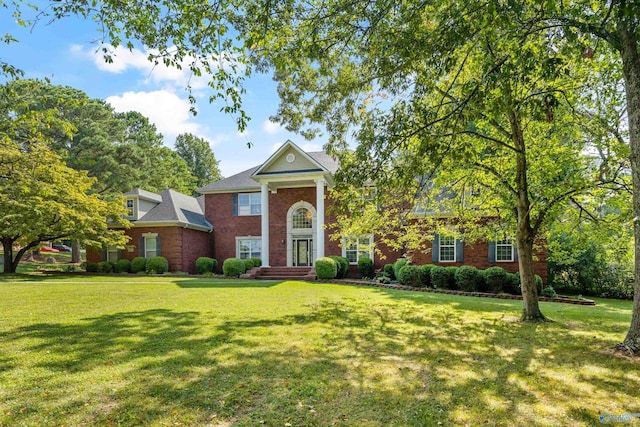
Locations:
277 211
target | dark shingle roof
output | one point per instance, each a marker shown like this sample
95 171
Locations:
177 207
144 194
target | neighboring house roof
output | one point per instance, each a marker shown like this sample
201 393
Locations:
245 181
178 208
143 194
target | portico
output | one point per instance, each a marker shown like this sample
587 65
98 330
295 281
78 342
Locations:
290 167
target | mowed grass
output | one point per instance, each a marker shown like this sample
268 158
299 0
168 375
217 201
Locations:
78 351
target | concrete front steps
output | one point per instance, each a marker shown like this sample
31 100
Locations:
281 273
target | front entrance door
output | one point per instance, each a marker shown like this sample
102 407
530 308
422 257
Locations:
302 252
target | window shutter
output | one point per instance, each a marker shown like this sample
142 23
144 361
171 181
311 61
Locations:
119 254
459 250
435 248
234 206
515 254
141 247
103 255
158 253
492 251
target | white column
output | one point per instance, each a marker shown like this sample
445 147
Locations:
320 217
265 223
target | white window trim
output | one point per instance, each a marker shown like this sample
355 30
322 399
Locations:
455 251
510 243
250 195
133 207
155 250
252 238
110 250
345 241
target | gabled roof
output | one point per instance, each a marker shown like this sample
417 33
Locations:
317 161
143 194
178 208
289 159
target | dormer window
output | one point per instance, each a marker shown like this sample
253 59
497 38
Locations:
130 208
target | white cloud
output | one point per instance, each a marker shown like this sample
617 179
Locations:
270 127
124 60
165 109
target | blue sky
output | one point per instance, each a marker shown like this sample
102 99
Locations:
65 52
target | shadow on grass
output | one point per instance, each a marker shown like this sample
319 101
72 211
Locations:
223 283
342 363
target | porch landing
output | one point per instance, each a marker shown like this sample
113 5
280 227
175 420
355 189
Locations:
280 273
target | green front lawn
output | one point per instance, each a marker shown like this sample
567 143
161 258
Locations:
179 351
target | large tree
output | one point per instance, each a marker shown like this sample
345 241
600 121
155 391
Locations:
197 153
41 198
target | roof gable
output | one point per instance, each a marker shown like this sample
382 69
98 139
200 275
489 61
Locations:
289 158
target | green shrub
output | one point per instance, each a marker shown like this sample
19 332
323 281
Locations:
451 272
425 275
549 292
342 265
620 290
157 265
401 262
468 278
388 271
539 284
326 268
123 266
91 267
233 267
105 267
248 264
365 267
139 265
204 265
495 279
440 278
257 262
512 284
409 275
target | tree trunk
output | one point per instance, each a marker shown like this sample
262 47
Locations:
7 246
75 252
525 232
631 70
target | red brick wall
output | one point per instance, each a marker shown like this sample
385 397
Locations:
227 227
181 247
477 255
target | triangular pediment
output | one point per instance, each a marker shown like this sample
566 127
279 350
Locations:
289 159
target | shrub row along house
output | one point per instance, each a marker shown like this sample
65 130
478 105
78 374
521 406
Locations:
277 212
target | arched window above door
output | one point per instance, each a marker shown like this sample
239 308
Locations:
302 218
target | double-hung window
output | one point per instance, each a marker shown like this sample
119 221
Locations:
504 250
447 249
150 246
248 247
356 248
112 254
249 204
130 205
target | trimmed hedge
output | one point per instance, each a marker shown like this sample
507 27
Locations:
123 266
468 278
138 264
365 267
157 265
444 277
401 262
233 267
388 271
326 268
91 267
105 267
257 262
342 265
206 265
425 275
409 275
495 278
512 284
248 264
